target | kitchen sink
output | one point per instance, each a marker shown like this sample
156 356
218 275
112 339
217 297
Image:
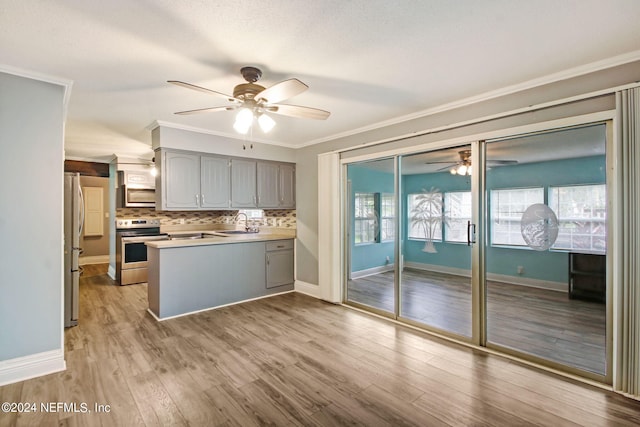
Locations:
191 236
231 232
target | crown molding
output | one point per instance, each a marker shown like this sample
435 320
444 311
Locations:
35 75
507 90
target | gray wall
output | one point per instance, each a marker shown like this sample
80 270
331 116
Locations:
168 137
31 190
307 162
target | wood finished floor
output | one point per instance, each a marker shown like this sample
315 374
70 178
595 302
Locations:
291 360
539 322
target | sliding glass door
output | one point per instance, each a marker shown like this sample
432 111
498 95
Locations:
371 219
435 286
546 246
501 243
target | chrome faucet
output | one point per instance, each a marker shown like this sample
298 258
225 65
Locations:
246 221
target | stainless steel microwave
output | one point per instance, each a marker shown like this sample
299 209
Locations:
138 189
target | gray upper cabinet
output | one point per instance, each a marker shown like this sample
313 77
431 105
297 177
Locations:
189 181
287 186
268 182
215 183
180 181
266 185
243 184
199 181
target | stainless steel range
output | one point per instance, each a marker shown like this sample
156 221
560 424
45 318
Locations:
131 251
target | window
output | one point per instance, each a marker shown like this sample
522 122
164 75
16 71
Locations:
581 211
457 211
388 217
252 213
365 221
425 216
507 207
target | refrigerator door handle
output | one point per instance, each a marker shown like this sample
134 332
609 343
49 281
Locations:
75 258
81 209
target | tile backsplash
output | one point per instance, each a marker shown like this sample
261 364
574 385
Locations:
281 218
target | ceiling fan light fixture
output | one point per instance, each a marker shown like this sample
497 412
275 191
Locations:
257 99
462 170
243 122
266 123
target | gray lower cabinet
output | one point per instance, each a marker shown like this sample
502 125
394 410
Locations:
188 279
279 263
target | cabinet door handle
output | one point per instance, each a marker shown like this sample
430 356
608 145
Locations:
197 200
267 259
202 196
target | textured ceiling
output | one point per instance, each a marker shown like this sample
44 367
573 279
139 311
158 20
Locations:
366 61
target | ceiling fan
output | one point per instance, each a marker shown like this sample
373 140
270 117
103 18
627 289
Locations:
253 100
463 166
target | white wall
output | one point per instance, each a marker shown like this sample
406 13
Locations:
31 226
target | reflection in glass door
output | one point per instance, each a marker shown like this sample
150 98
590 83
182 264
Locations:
371 219
435 286
546 247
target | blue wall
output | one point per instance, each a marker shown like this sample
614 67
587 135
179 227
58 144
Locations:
547 265
364 180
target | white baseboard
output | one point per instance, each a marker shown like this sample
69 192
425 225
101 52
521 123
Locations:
307 289
98 259
532 283
31 366
503 278
371 271
438 268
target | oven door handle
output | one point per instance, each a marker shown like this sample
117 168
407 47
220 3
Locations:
139 239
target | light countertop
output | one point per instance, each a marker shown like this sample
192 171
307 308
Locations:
211 239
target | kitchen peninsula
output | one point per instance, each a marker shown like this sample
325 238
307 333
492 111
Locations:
191 275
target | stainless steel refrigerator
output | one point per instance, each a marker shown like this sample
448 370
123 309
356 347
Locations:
73 222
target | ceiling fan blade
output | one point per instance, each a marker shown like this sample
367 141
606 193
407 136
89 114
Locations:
435 163
281 91
502 162
298 111
205 110
449 166
201 89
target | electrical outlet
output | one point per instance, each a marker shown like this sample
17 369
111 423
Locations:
520 269
388 259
